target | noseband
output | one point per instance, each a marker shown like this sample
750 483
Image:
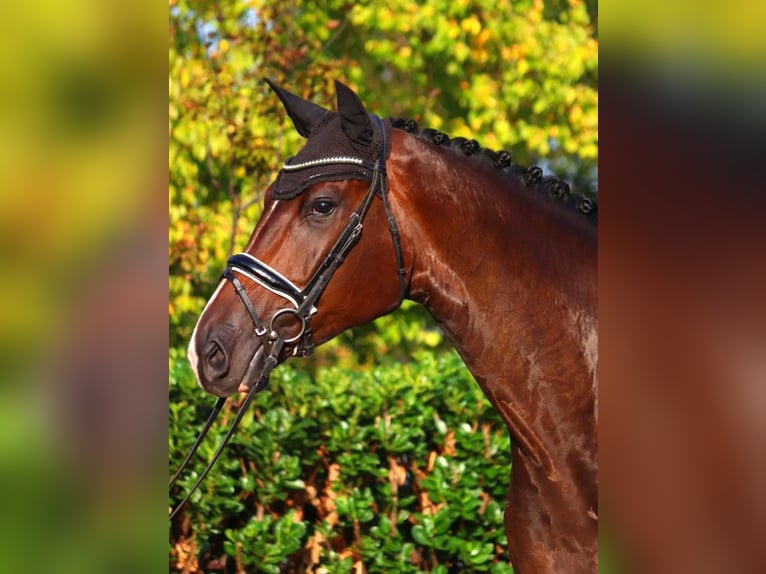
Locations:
302 302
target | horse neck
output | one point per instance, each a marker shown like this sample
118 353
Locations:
510 278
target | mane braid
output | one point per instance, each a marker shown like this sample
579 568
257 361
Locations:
531 177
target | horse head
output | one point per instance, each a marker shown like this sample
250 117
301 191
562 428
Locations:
287 291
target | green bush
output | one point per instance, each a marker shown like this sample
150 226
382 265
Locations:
400 468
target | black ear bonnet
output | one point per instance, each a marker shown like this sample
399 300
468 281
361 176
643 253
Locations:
341 145
328 141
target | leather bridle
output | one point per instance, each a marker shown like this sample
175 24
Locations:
303 302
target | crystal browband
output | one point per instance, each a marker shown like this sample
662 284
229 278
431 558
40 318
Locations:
326 161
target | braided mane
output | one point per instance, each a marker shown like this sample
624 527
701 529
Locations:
531 177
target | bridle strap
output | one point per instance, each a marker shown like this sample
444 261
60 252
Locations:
394 229
260 327
380 169
343 245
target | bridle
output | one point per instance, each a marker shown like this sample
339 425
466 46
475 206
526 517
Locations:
303 302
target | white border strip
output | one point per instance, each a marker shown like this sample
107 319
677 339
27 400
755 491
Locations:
268 287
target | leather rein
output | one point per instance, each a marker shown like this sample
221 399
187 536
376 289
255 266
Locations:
302 301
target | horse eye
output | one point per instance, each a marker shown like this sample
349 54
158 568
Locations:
323 207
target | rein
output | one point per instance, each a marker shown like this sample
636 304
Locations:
303 301
263 379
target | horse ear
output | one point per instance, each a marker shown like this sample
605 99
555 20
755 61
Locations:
303 113
354 118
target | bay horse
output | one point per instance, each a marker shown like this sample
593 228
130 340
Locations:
373 211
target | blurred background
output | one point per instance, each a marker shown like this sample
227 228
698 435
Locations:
83 331
682 319
87 237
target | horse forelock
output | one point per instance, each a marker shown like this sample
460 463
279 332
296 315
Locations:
530 177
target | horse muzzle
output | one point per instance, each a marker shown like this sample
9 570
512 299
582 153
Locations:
226 354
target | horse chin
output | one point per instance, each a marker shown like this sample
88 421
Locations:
253 371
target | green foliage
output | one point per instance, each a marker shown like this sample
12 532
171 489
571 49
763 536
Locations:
401 468
510 74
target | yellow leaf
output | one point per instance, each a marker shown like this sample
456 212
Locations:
471 25
575 115
589 151
453 30
482 38
461 51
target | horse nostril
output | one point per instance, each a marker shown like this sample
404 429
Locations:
216 361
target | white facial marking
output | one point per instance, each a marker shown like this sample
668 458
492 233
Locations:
191 351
